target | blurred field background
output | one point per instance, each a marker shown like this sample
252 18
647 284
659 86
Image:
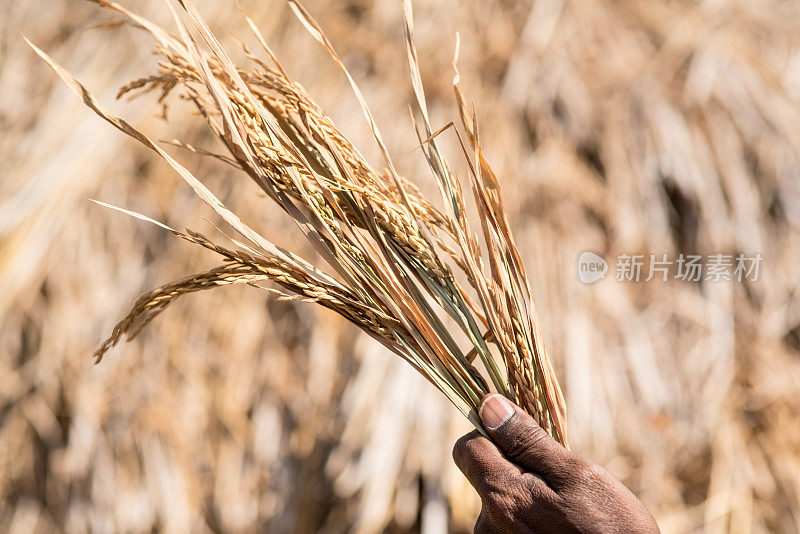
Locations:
616 126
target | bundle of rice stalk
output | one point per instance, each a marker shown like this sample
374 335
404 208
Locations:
402 270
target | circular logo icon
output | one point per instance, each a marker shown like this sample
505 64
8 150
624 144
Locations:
591 267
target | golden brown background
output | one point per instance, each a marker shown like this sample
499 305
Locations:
620 126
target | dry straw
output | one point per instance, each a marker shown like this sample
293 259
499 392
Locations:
416 278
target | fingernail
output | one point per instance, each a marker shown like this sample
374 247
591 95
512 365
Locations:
495 411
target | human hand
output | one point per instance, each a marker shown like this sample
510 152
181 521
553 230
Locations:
528 482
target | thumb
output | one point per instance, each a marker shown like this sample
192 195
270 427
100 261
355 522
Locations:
522 440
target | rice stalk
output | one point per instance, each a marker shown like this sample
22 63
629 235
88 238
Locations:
395 259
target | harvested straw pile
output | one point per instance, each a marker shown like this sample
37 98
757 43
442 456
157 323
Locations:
620 127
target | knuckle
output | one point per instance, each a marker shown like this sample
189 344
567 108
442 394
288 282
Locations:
500 508
502 485
494 499
588 474
540 496
523 440
589 470
459 449
501 503
464 447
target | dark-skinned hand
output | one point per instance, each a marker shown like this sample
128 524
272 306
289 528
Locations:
528 482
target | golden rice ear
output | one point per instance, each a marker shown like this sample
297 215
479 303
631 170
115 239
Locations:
394 257
150 304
